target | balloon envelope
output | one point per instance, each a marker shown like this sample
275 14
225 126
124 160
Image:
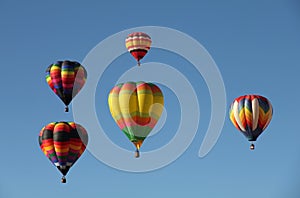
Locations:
136 108
138 44
251 114
63 143
66 78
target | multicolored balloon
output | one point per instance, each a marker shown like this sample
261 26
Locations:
136 107
138 44
66 78
251 114
63 143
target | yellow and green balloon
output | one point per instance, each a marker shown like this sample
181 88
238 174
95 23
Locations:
136 107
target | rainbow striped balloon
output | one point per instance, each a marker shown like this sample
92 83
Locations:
136 108
63 143
251 114
66 78
138 44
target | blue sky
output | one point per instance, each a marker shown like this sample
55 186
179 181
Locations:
255 44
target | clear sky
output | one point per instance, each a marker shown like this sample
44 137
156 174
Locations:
255 44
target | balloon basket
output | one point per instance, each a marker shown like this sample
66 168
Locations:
252 147
66 109
63 180
137 154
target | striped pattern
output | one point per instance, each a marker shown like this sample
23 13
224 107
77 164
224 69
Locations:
66 78
251 114
136 108
138 44
63 143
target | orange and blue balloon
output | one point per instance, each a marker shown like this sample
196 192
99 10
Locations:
251 114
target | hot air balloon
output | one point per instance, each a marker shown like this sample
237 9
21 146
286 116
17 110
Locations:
138 44
66 78
136 108
63 143
251 114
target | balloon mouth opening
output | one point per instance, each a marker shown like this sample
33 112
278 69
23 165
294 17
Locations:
251 138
